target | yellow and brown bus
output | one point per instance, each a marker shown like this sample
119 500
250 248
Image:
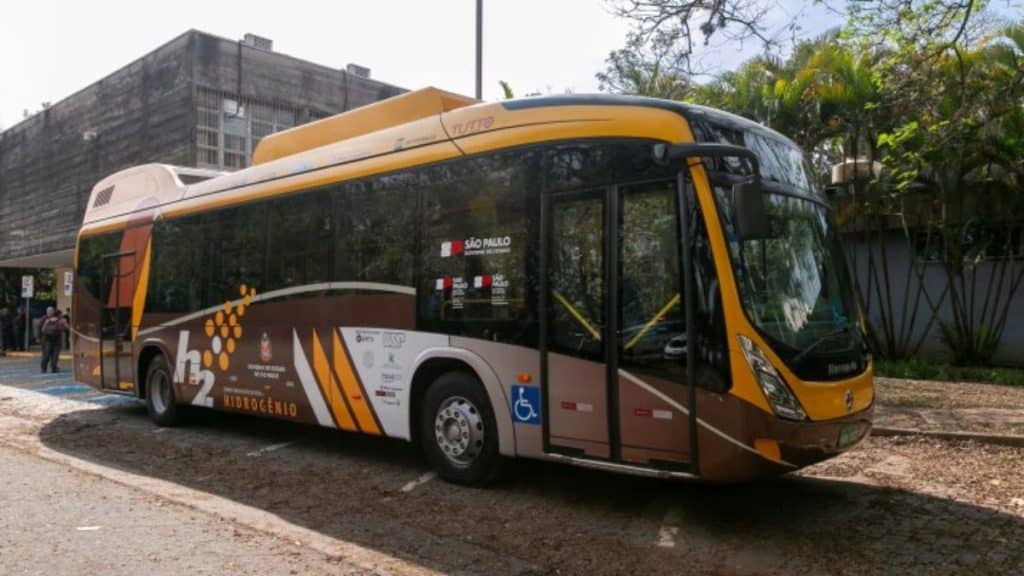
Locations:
622 283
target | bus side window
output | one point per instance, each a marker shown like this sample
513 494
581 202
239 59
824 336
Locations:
375 223
174 286
299 243
475 248
235 251
89 287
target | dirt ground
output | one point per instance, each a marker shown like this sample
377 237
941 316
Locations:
932 394
890 506
969 407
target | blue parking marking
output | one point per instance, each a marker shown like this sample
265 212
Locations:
44 376
65 389
24 374
111 400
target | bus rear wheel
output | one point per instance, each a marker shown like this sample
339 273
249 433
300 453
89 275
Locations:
160 401
458 430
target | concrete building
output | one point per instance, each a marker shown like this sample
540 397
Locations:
199 100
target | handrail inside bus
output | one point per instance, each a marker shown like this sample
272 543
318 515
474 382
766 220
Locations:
580 319
650 323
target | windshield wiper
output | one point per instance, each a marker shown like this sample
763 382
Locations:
799 358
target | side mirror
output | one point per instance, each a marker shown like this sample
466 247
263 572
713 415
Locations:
748 206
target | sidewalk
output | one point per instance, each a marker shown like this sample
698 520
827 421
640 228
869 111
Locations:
61 520
35 352
952 410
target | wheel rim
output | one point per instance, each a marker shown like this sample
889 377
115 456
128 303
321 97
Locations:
459 431
160 392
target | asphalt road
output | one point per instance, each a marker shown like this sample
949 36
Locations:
892 506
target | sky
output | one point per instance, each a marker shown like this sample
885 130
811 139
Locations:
48 51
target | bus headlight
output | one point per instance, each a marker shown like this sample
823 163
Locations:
781 398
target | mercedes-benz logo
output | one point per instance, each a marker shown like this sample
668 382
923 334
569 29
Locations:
849 400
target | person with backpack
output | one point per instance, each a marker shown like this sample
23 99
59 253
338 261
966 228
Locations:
51 333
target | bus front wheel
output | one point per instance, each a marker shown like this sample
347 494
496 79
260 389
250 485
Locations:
458 430
160 401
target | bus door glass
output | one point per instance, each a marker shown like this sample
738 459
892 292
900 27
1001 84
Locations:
615 337
651 343
119 280
576 383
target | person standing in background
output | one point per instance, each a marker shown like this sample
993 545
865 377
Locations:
51 335
20 332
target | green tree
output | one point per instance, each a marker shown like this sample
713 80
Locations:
956 147
644 68
929 88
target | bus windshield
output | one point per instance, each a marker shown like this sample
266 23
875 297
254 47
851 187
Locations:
794 285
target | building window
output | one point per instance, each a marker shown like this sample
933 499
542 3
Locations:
208 130
229 128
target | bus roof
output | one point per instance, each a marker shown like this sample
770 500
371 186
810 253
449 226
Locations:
393 111
419 127
688 110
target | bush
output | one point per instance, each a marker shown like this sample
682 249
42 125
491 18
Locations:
920 370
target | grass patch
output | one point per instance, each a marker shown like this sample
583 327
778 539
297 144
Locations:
920 370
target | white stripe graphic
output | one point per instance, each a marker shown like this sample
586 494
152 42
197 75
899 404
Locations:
654 391
309 385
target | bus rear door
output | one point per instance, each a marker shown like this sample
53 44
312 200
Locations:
116 352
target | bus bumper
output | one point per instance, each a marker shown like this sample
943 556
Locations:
776 446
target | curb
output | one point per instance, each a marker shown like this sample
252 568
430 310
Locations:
999 439
22 354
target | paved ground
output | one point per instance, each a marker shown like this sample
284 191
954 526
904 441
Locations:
893 506
950 406
58 520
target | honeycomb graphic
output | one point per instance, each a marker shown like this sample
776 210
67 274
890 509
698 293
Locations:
224 329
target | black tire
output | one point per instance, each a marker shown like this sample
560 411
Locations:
464 397
161 402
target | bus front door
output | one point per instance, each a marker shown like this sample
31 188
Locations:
613 325
116 353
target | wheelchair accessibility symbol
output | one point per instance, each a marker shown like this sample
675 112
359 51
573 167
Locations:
526 404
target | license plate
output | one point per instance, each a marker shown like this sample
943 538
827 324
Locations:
848 435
